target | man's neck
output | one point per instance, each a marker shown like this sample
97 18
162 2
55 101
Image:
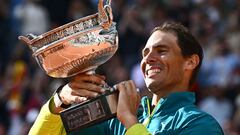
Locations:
159 95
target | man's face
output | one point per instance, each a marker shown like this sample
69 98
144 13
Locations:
162 63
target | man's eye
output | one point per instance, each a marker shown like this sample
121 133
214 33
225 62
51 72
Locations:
162 51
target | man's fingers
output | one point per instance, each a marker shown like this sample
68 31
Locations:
85 93
133 86
120 86
96 79
128 86
134 89
77 99
88 86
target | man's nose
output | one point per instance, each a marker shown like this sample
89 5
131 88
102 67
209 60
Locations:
150 58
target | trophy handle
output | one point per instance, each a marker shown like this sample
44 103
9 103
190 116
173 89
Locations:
28 40
24 39
105 14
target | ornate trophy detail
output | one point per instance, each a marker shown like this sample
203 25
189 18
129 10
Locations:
76 47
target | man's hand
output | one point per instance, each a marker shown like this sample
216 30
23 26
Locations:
128 103
81 87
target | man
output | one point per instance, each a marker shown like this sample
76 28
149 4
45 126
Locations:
171 60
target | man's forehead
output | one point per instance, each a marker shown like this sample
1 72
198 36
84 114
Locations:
159 38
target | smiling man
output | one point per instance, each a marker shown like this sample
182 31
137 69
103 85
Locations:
171 60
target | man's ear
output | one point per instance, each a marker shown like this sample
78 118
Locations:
192 62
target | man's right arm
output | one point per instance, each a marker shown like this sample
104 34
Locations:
80 88
47 123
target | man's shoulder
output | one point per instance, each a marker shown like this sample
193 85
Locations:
192 113
190 119
191 116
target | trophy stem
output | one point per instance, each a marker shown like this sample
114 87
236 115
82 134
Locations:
105 86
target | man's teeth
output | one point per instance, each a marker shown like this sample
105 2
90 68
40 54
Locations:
153 71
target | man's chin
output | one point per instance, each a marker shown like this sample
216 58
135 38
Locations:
151 85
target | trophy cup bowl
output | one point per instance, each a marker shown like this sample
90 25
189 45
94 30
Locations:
77 47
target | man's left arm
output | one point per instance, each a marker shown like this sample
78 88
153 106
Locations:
47 122
128 104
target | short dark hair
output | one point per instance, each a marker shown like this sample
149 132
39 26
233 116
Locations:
186 42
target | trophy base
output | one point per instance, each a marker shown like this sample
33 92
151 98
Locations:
90 112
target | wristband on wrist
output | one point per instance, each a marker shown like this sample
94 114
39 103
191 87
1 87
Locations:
57 98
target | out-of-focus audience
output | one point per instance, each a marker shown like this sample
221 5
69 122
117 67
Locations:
24 87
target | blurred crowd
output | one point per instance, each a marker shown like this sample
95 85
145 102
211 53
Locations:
24 87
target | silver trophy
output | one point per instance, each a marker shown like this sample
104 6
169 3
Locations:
77 47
